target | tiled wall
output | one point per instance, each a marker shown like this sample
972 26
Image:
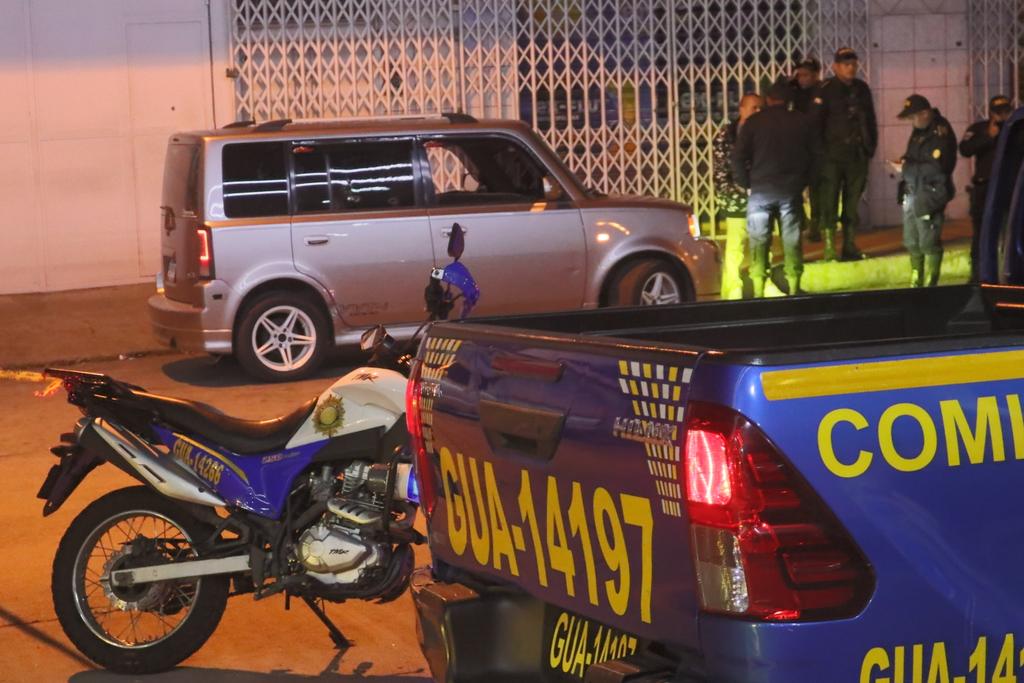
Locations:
916 46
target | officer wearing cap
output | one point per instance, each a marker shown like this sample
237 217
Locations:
926 188
806 82
980 142
845 118
774 157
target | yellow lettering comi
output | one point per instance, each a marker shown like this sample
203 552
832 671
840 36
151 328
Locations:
501 536
929 445
981 438
975 442
458 535
827 451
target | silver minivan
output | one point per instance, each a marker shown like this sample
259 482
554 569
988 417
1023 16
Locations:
282 240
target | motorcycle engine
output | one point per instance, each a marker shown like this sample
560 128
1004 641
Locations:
337 549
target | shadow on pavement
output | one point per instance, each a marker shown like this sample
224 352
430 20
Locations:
28 629
211 371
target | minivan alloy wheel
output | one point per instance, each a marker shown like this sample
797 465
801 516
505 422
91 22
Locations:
660 289
284 338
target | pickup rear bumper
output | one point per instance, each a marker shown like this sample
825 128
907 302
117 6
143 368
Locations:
501 635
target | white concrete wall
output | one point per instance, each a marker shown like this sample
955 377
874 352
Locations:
89 92
917 46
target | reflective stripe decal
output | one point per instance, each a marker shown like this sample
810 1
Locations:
911 373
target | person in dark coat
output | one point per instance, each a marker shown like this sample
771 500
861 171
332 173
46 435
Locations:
979 141
731 198
774 158
927 186
845 118
806 84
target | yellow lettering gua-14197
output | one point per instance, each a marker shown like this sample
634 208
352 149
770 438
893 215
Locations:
588 533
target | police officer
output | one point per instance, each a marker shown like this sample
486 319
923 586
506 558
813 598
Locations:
980 142
731 198
926 188
774 158
806 81
845 117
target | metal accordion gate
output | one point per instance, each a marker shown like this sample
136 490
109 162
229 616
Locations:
629 92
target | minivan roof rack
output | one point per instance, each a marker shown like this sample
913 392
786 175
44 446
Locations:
458 117
244 123
276 124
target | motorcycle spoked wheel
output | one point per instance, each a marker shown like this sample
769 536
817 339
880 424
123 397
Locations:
141 629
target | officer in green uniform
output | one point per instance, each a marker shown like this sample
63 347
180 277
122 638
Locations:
980 142
806 84
845 119
926 188
731 198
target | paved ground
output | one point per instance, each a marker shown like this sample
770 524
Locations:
255 641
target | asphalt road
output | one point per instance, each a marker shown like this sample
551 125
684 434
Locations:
258 642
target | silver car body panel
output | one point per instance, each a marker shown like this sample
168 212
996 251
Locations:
373 265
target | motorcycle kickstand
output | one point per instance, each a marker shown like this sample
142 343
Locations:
340 641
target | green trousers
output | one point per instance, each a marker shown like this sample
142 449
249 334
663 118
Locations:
732 260
922 236
840 187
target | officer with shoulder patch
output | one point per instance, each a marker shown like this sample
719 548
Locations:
845 119
980 142
926 188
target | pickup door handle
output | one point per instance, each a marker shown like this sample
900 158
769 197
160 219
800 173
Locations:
317 240
534 432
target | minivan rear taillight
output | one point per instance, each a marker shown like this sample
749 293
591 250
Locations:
764 545
205 251
414 425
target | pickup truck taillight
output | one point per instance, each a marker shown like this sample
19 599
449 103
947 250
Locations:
764 545
414 425
205 251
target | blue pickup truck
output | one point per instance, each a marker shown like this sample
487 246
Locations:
806 489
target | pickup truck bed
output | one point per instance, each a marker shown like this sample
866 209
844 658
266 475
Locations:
802 489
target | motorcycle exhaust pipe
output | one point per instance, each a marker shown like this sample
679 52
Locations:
154 468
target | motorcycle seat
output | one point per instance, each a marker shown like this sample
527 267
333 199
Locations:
211 426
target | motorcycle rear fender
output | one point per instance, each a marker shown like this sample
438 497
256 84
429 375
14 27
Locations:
100 441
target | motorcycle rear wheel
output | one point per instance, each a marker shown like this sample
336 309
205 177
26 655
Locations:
141 629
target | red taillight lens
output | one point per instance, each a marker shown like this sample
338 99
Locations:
205 252
414 425
764 544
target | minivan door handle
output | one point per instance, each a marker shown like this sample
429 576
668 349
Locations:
447 232
316 240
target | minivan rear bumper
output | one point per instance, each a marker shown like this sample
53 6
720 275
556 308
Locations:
186 327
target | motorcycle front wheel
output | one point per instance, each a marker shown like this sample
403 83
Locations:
134 629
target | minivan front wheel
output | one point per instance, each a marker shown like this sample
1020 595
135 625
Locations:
647 282
282 336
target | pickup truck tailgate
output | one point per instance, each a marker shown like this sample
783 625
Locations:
557 469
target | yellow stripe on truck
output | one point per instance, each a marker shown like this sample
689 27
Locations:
914 373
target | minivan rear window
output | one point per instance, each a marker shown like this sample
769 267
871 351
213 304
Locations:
255 180
181 178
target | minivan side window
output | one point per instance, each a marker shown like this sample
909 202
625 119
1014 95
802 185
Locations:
255 180
483 170
361 175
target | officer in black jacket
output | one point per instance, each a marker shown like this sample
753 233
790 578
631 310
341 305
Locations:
926 188
774 157
845 118
980 142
